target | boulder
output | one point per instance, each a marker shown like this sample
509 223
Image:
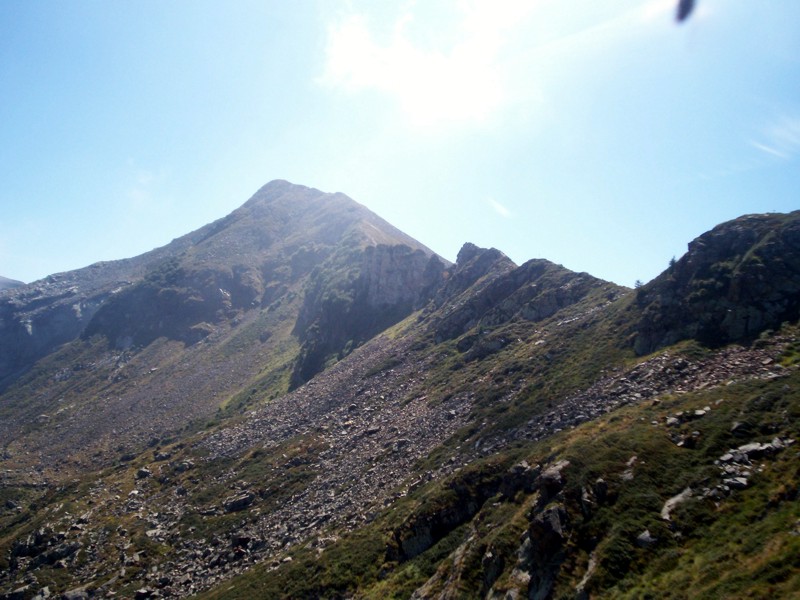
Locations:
736 483
519 477
552 479
238 502
645 539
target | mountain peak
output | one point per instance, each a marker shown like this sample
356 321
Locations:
279 190
263 251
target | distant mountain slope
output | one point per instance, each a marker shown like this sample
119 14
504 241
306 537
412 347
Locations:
7 284
37 318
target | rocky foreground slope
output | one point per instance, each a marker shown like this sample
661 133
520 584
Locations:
422 430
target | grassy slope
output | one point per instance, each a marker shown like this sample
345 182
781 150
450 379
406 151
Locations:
522 379
744 547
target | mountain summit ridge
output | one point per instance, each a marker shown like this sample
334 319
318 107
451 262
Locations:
245 236
290 259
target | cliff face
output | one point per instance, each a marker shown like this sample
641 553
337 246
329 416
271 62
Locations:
496 291
397 276
735 281
348 302
37 318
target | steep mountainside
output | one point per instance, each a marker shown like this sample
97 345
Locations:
386 425
258 300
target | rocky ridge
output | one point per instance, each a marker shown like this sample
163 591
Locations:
662 374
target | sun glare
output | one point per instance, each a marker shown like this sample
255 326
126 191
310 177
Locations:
462 82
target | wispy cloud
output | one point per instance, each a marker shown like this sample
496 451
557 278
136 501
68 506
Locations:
459 81
768 149
781 138
479 59
499 208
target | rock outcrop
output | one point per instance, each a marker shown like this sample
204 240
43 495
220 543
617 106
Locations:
37 318
349 300
737 280
499 291
176 302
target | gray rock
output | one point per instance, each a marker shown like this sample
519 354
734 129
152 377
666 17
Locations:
552 479
238 502
755 449
20 593
670 504
736 483
550 525
740 429
519 477
183 466
645 540
43 594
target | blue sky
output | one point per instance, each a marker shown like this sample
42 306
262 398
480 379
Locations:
599 135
